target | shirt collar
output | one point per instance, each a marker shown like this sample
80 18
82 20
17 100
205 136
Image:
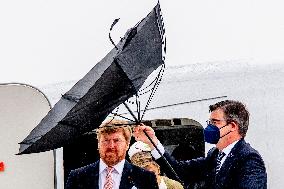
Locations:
228 149
118 167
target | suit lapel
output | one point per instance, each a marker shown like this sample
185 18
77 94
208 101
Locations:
94 176
223 174
126 178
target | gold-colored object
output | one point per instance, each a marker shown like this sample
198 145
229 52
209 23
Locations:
141 159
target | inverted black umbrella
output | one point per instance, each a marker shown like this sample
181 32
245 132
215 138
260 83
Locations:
117 77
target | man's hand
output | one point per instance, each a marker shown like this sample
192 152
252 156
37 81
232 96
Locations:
140 135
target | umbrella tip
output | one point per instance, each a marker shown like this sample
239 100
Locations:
20 152
113 23
109 36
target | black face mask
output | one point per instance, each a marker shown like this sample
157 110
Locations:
212 133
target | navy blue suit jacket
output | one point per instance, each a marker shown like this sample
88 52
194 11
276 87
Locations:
242 169
88 178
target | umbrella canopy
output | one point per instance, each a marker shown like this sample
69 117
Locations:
117 77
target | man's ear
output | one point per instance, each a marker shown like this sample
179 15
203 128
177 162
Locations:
128 145
235 126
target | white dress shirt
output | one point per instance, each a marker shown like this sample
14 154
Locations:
116 174
155 152
227 151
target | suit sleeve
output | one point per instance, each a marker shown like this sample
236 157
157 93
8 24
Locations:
144 179
71 181
191 170
252 173
149 181
153 181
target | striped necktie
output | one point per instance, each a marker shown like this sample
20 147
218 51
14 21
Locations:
219 158
109 181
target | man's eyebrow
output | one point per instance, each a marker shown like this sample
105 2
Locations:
215 119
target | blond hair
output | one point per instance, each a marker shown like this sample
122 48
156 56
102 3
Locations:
113 126
141 158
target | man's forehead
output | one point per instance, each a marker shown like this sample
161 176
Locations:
116 134
218 113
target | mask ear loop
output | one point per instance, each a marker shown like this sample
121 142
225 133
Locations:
223 127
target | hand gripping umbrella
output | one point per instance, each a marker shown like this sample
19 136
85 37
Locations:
117 77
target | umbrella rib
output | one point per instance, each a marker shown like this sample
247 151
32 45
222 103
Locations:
109 36
155 146
148 85
29 141
115 114
145 92
158 80
131 112
181 103
138 107
112 41
70 98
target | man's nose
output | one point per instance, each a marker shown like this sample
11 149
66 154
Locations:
112 143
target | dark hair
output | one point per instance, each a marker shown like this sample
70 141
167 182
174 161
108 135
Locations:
234 111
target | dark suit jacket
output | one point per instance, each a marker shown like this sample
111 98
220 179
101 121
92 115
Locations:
88 178
243 168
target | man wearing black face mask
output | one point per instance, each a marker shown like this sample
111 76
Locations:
232 164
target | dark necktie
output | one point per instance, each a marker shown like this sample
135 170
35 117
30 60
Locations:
219 158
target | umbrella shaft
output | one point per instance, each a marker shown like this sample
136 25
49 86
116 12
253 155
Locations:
131 112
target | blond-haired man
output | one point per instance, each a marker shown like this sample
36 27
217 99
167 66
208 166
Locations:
112 171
